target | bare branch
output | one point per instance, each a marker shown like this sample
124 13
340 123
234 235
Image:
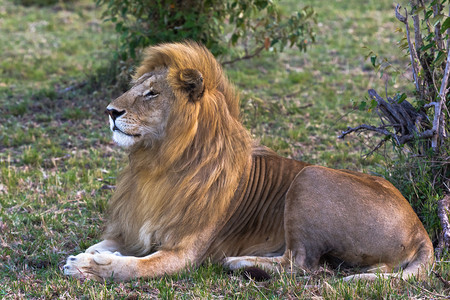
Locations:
443 214
365 127
428 91
400 140
437 29
439 117
401 18
417 35
431 104
402 117
413 54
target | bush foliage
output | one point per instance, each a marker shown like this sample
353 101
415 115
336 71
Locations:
417 122
257 24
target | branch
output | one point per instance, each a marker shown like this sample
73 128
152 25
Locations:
248 56
417 35
401 116
365 127
438 122
427 91
400 140
419 136
413 54
443 214
437 28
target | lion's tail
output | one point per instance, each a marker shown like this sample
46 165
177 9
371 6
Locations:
417 267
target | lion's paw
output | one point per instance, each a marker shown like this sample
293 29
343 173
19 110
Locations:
100 266
79 266
89 266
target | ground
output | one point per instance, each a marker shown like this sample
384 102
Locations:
59 166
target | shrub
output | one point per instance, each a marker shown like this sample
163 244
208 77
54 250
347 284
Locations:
41 3
218 24
419 132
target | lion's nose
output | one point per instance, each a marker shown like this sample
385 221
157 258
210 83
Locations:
114 113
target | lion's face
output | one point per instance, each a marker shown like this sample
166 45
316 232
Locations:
143 111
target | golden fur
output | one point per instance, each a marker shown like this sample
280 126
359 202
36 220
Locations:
197 186
190 157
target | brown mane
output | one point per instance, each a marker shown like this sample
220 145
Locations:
191 55
180 183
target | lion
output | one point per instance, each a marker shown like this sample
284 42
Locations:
198 187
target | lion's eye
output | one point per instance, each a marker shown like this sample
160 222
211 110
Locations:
149 94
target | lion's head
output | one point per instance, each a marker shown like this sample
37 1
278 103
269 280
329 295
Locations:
171 75
143 111
188 149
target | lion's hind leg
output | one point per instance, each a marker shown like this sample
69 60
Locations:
273 264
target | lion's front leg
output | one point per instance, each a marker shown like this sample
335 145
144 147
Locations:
101 266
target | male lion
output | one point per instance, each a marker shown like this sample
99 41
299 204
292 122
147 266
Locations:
198 187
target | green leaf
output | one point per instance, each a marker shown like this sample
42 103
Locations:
437 19
439 58
445 25
418 10
373 60
261 4
274 41
362 105
399 98
426 47
373 104
234 38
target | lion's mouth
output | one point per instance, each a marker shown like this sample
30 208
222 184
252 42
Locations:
115 128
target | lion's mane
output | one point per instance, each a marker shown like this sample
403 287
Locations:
176 185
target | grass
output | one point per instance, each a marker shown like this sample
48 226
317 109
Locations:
57 161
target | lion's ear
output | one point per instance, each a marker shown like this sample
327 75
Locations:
191 81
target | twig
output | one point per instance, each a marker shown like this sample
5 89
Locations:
73 87
248 56
428 105
439 276
367 128
381 143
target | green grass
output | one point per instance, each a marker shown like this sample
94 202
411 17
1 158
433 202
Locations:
57 161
